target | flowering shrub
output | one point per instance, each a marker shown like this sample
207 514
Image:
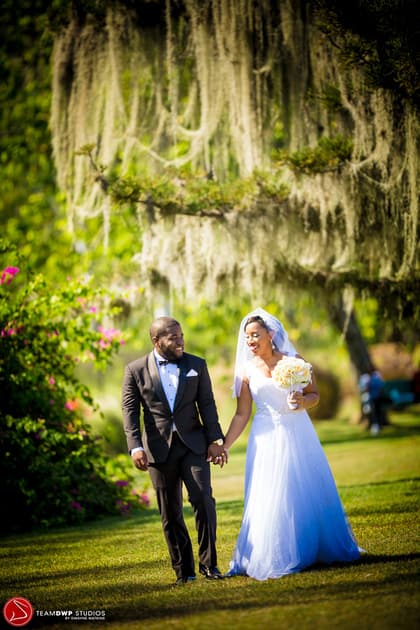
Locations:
52 468
130 498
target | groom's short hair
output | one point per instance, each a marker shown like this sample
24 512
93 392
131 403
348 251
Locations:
162 325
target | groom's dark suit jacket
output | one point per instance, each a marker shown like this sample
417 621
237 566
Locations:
194 414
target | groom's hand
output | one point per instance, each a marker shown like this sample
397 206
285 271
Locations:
217 455
140 460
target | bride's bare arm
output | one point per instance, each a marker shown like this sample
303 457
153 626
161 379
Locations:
241 417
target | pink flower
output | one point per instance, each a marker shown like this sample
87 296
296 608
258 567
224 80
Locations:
54 333
8 274
9 332
124 508
144 499
108 335
71 405
51 380
76 505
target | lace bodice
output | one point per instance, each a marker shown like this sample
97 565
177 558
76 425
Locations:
268 398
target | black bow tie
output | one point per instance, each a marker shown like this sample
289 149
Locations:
165 362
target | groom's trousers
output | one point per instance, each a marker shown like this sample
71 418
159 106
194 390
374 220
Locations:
184 466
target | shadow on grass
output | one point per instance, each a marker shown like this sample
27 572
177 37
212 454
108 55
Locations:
384 558
143 602
160 601
121 527
385 483
74 533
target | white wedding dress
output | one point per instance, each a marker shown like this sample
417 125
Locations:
293 516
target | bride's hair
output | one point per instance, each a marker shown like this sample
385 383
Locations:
256 319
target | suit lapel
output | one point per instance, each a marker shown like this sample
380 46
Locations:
182 381
155 376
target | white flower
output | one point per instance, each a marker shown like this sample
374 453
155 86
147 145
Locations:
291 371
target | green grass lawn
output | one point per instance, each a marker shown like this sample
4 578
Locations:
121 565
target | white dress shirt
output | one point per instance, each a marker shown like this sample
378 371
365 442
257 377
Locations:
169 376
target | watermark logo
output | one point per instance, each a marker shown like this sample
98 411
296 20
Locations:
18 611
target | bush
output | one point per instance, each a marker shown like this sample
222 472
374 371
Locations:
329 395
52 468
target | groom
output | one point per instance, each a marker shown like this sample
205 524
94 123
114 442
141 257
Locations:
181 434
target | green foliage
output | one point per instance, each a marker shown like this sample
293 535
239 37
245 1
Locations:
368 319
52 468
186 191
31 209
332 98
328 155
379 35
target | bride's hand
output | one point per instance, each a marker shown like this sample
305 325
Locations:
222 459
295 400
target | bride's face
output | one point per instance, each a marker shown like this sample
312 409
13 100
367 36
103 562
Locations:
257 338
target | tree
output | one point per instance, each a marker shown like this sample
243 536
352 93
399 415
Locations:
286 128
275 143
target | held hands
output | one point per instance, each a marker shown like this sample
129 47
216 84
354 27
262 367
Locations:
217 455
140 460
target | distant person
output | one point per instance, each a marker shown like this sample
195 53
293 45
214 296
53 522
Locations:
376 391
293 517
373 399
366 406
181 435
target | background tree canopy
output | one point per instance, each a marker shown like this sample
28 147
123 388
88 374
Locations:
293 121
296 120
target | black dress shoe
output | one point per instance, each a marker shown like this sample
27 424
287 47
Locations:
184 579
211 573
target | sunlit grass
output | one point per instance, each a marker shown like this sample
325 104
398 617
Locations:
121 565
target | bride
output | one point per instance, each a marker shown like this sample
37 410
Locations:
293 516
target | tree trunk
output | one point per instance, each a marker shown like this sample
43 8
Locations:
347 324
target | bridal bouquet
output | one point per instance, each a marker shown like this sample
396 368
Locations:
293 374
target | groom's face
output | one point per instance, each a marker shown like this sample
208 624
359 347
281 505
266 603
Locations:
170 343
